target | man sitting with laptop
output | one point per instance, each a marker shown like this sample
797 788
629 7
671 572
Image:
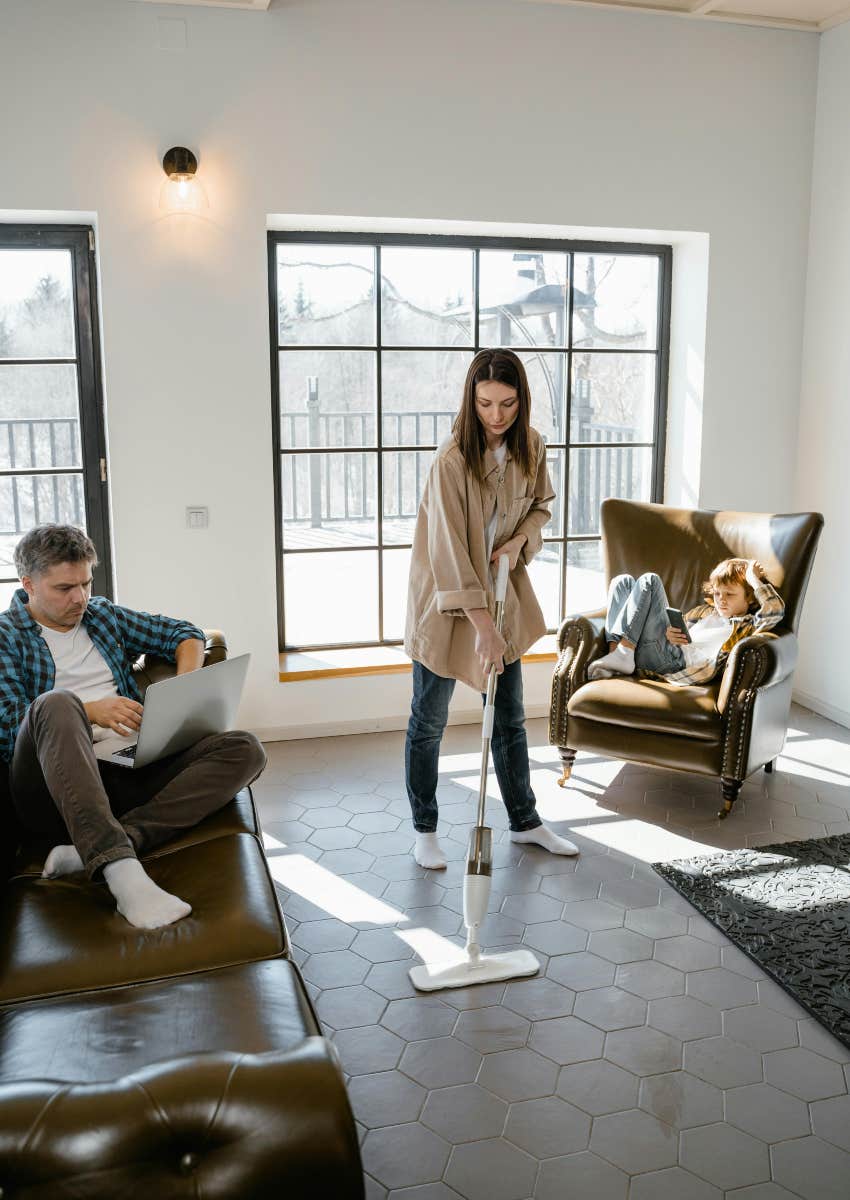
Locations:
68 700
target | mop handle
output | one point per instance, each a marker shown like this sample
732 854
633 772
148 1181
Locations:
501 592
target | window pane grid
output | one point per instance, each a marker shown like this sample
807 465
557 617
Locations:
606 434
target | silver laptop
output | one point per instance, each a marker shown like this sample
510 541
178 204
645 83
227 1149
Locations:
178 712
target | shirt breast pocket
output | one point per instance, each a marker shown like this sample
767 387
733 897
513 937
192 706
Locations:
518 510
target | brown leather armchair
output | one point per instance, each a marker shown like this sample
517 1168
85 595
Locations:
727 728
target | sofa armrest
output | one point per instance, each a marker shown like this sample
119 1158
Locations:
218 1124
754 662
580 640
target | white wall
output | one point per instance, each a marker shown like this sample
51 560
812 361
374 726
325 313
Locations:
485 110
823 679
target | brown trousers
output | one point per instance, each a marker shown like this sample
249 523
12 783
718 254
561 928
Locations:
62 792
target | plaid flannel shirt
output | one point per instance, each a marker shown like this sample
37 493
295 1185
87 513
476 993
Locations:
771 610
120 634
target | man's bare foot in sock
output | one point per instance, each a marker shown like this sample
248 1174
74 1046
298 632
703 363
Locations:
138 899
61 860
546 838
427 852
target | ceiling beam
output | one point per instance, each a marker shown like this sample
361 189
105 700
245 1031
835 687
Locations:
711 13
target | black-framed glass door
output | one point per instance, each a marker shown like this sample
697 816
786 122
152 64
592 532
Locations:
52 435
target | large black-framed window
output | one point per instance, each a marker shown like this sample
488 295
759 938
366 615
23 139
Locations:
52 438
371 336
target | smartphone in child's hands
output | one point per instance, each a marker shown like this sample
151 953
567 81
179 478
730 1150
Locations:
677 620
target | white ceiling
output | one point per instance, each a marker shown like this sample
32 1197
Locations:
811 15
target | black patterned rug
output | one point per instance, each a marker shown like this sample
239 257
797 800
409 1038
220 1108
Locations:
788 907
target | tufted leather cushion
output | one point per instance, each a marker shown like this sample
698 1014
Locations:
649 706
63 935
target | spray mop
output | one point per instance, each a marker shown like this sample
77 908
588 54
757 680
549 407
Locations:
477 967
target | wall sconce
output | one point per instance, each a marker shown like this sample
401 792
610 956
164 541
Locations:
182 192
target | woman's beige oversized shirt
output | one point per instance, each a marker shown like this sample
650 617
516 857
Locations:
449 571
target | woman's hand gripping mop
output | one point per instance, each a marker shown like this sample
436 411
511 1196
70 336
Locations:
475 967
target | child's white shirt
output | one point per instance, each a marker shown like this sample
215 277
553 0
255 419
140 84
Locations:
707 637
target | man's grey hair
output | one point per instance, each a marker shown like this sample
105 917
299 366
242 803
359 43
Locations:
48 545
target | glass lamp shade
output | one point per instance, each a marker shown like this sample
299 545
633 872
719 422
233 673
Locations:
183 194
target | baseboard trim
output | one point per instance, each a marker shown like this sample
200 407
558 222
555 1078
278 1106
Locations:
841 716
393 724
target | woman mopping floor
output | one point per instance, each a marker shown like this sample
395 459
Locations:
487 496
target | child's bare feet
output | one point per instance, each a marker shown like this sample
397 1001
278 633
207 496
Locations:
138 899
61 860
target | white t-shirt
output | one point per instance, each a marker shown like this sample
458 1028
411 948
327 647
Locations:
707 636
500 454
80 666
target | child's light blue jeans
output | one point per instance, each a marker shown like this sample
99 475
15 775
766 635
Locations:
636 612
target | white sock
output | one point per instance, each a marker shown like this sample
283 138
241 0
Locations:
139 900
620 661
61 860
547 838
427 852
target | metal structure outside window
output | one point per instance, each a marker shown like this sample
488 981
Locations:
354 336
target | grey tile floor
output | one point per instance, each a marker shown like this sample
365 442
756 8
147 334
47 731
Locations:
649 1057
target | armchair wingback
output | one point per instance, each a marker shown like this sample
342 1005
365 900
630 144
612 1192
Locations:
729 727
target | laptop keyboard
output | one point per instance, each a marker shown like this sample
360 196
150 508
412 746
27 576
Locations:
127 752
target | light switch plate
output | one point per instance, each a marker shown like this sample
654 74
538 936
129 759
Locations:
197 517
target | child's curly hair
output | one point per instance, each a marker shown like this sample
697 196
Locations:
730 571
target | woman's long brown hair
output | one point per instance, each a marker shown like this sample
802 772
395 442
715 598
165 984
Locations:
504 367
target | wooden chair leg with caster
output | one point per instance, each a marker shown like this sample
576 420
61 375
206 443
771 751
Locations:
730 789
568 757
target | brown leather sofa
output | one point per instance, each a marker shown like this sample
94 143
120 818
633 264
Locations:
182 1062
735 724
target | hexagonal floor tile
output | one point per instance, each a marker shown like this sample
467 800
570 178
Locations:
532 908
374 822
440 1062
425 1191
725 1156
831 1120
364 1051
598 1087
568 887
391 980
405 1155
722 988
650 979
581 971
610 1008
767 1113
631 893
539 998
620 945
381 945
582 1176
335 968
594 914
421 1017
317 937
334 838
643 1051
657 922
494 1169
489 1029
386 1098
346 1007
681 1100
812 1168
760 1028
686 953
555 937
721 1061
673 1183
518 1074
547 1127
684 1018
566 1040
465 1113
635 1141
804 1073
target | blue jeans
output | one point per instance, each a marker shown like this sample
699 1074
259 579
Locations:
429 712
636 612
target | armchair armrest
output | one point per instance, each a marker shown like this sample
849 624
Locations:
756 661
223 1124
580 641
151 668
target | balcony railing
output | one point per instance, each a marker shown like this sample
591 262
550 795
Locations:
50 445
